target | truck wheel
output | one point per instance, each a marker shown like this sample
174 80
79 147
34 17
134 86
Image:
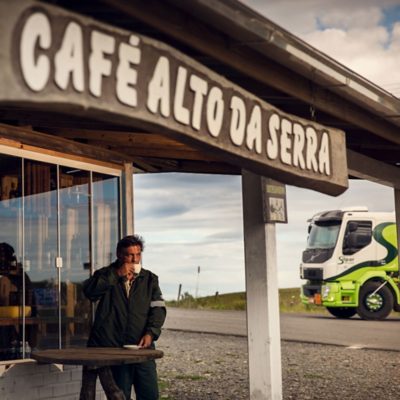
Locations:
375 306
342 312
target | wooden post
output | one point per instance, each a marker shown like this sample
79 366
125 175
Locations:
265 371
397 213
89 378
88 388
127 200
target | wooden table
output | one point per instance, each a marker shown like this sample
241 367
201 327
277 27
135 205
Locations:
96 361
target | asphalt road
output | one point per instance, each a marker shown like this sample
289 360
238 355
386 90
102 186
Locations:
311 328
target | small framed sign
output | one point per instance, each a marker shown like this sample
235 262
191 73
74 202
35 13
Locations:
274 201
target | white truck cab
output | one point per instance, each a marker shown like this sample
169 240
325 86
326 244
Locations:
351 263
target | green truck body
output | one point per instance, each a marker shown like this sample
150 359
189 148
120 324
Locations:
351 263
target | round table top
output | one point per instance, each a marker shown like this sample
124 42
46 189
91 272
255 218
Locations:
96 356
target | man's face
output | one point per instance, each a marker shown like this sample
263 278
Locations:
131 254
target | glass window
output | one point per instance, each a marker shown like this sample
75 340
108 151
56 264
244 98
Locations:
75 253
48 211
105 218
11 274
323 235
358 235
40 251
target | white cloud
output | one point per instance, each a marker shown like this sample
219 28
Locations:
300 17
357 34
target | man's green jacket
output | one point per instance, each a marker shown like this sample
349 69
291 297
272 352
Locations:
121 319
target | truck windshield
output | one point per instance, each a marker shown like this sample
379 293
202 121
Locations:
323 235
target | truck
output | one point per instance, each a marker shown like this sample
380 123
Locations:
351 263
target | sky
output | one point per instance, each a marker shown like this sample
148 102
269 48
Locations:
190 221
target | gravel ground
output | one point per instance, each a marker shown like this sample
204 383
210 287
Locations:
200 366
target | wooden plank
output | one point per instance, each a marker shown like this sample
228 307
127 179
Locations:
127 200
58 145
23 138
140 151
204 39
367 168
389 155
95 356
192 166
120 137
19 145
137 144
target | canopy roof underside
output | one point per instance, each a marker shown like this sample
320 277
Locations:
252 52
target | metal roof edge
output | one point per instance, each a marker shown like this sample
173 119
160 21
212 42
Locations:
261 34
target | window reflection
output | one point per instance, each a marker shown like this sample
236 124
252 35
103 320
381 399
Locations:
11 281
40 250
105 218
41 219
74 239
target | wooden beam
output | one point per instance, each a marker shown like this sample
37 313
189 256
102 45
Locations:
126 138
127 200
367 168
391 156
38 139
162 153
191 166
186 29
54 143
8 144
137 144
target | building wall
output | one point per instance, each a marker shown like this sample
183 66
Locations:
30 381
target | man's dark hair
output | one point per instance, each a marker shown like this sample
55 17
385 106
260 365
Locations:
6 254
131 240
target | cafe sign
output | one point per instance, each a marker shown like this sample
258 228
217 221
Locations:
59 61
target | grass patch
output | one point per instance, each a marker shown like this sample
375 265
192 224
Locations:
190 377
229 301
162 387
289 301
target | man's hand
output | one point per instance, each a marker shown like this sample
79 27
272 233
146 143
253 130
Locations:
146 341
126 269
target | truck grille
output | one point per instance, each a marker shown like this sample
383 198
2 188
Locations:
311 290
314 274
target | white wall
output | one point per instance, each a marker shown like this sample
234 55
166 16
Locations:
31 381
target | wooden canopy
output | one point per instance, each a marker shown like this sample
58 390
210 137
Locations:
249 50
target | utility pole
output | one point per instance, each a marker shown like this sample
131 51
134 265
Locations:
179 292
197 283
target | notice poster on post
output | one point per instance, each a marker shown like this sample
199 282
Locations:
274 201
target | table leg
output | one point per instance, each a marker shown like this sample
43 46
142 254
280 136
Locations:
89 377
112 391
88 389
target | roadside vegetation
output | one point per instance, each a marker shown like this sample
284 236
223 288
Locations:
289 301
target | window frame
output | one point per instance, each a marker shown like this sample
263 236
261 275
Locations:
61 160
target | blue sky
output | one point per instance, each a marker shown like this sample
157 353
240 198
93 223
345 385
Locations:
196 220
